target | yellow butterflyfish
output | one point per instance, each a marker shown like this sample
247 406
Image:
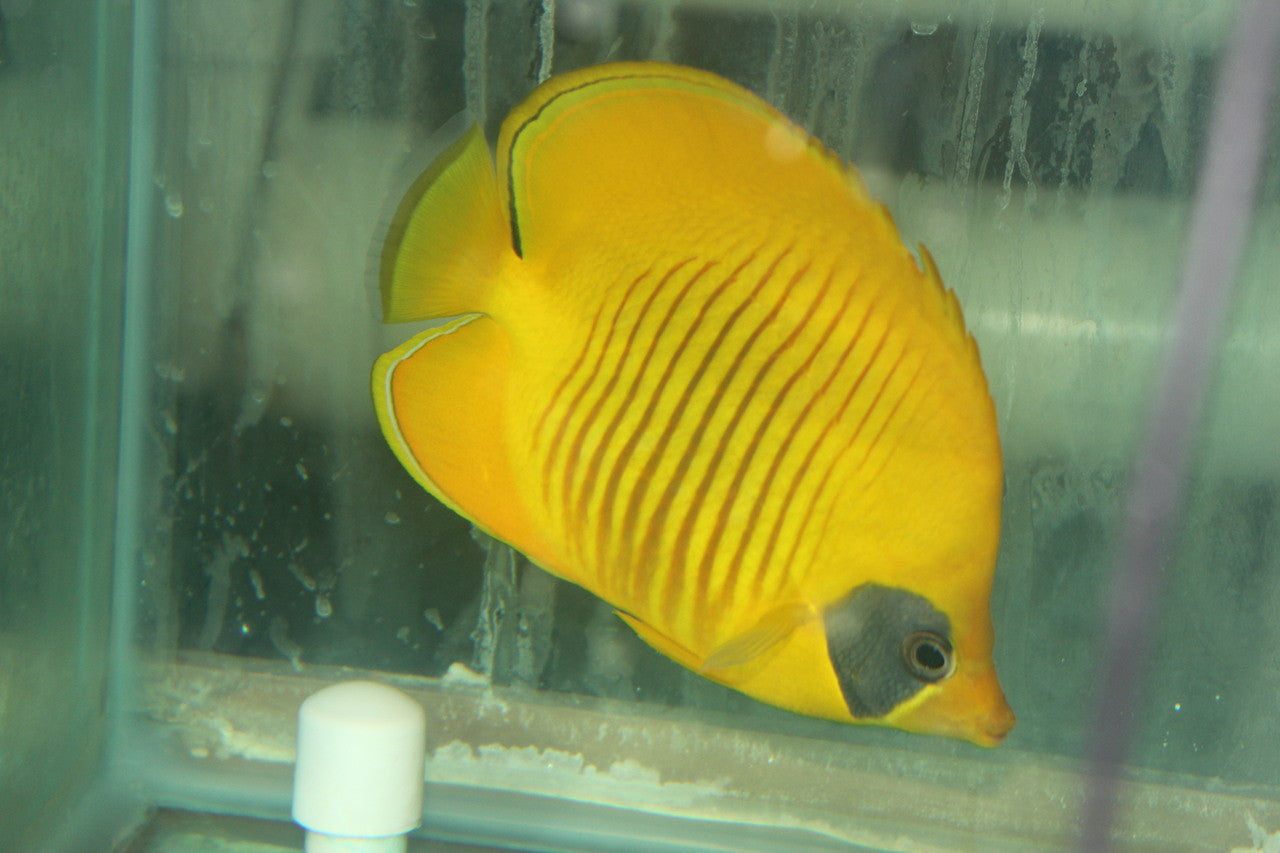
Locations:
689 365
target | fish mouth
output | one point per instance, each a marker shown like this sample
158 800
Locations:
989 730
970 706
994 728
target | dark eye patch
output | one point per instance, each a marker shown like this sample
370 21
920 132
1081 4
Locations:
885 644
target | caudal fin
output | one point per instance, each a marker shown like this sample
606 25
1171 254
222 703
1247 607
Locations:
447 238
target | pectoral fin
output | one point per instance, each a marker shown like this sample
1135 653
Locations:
758 642
736 659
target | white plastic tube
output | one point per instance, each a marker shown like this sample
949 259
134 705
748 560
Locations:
358 782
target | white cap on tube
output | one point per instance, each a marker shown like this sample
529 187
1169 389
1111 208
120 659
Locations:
357 785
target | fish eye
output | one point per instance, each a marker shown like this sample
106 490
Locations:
928 656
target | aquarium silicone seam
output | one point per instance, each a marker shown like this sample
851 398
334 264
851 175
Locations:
135 373
98 209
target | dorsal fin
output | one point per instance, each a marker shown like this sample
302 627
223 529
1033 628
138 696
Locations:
675 158
666 154
949 307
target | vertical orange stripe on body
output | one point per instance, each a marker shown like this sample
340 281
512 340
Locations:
752 583
867 476
669 564
608 560
835 464
573 450
703 579
788 505
624 555
570 485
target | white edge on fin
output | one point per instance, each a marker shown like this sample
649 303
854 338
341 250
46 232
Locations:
383 369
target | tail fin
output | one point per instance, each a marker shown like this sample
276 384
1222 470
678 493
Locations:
447 238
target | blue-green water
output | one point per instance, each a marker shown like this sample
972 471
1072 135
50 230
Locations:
190 472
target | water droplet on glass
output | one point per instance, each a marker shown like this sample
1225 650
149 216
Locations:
286 422
173 204
403 634
269 169
171 372
302 471
391 518
278 633
259 590
324 607
302 577
924 28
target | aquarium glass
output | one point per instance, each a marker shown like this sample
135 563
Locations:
63 90
266 541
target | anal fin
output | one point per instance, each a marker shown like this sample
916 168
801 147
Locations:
441 399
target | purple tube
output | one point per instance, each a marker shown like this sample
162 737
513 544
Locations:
1220 222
